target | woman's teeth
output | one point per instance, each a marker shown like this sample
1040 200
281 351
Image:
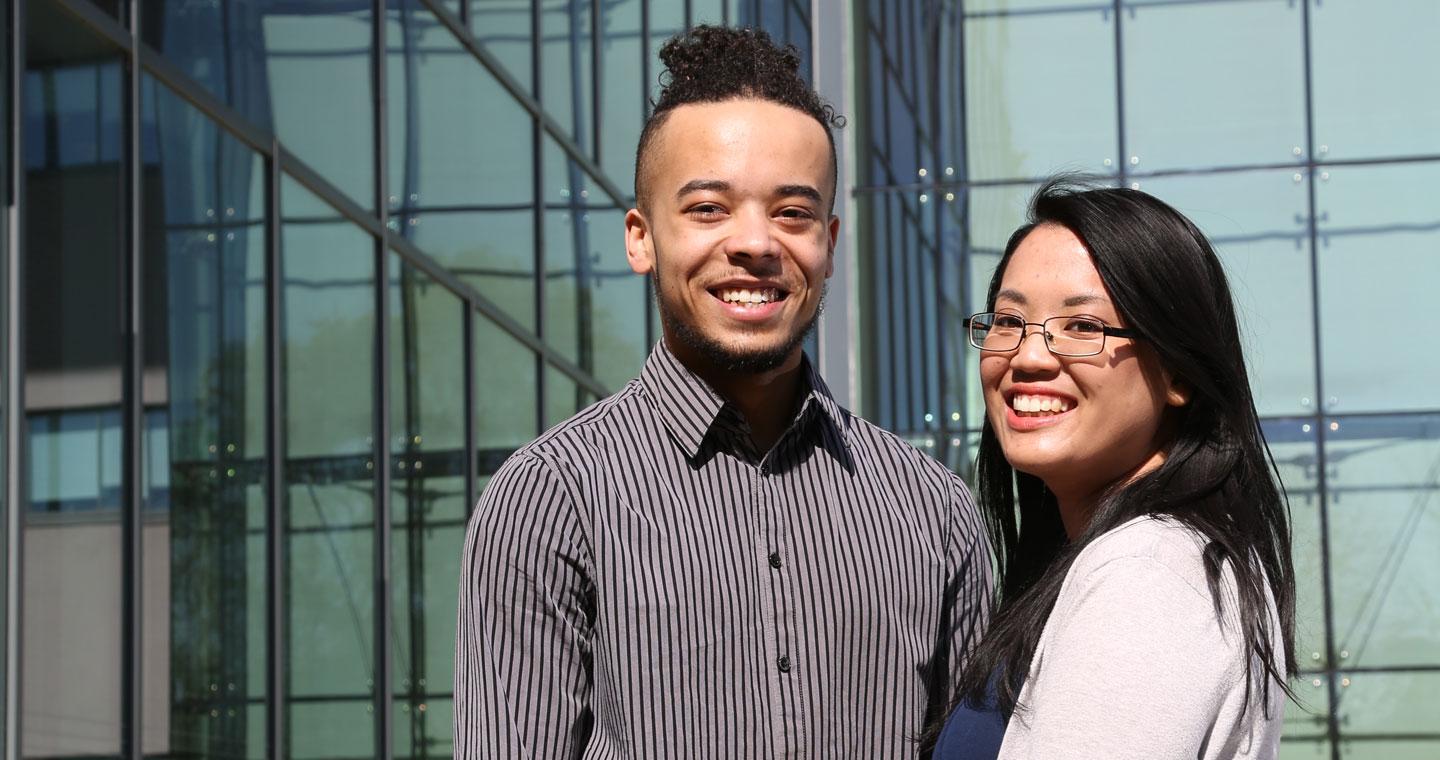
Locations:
746 297
1039 405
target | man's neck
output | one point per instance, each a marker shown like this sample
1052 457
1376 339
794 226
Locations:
767 400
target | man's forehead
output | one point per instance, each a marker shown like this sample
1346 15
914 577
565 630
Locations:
738 140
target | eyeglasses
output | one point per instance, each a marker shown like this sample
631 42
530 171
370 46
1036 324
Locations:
1064 336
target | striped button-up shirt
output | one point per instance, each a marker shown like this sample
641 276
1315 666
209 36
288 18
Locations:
641 581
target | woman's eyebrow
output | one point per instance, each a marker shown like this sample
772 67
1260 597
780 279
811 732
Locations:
1086 299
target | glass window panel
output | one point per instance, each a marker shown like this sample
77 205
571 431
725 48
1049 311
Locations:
1256 222
1389 703
592 299
1370 62
273 61
70 676
205 573
1002 7
328 292
995 213
563 397
1374 220
622 106
1366 748
1185 106
461 174
1383 568
1305 729
666 20
618 307
709 12
506 403
1293 446
503 27
428 506
566 68
1012 133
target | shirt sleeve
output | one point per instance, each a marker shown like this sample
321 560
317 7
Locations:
1136 666
526 615
970 581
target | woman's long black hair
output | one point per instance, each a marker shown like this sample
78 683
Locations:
1168 286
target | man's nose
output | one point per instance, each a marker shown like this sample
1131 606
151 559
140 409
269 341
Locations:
751 235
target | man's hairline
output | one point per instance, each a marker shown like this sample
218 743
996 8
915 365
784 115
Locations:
657 122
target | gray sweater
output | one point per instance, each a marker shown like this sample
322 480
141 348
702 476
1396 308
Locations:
1133 662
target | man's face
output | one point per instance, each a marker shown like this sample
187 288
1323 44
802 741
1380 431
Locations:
737 231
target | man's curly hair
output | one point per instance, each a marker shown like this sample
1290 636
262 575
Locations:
711 64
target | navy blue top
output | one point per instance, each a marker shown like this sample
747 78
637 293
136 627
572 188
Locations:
972 732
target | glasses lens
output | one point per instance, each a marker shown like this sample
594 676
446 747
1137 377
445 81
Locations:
1075 336
996 332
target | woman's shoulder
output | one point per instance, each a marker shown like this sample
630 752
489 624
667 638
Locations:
1157 541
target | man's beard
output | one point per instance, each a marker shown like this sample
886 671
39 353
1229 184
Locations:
726 358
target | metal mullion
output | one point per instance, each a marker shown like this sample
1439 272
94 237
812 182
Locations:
276 740
596 91
644 117
14 414
133 415
962 170
932 76
1123 159
1332 726
537 190
467 352
381 579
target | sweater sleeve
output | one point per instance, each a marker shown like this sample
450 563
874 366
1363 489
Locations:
1133 664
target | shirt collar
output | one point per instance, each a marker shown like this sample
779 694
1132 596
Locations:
688 407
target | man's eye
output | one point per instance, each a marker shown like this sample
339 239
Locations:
705 209
796 213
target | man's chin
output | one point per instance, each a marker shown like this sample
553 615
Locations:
746 356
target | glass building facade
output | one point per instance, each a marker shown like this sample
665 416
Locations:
284 281
1302 137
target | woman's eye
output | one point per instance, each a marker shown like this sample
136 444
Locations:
1008 322
1084 327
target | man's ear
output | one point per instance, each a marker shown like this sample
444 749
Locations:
639 250
834 232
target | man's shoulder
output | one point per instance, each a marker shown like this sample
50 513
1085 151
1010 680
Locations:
893 451
589 430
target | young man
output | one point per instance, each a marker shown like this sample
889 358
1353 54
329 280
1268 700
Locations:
719 561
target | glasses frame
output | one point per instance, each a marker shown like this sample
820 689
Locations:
1105 331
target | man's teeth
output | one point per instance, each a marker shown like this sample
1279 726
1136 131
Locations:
751 297
1039 404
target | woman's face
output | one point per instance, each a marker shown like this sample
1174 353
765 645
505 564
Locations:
1114 402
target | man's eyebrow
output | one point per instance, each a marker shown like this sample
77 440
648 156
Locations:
804 191
696 185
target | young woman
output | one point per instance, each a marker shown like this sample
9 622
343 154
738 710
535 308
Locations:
1146 605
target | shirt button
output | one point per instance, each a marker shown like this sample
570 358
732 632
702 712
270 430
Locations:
775 560
784 664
